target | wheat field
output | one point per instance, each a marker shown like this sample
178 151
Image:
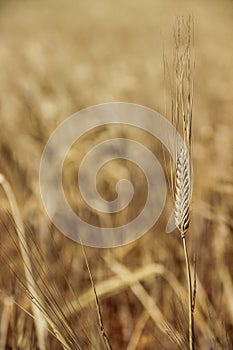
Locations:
57 58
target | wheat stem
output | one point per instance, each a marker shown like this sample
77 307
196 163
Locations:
190 296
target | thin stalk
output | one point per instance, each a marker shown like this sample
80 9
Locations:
190 296
98 307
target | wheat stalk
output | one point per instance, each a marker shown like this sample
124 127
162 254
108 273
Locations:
181 173
40 321
183 111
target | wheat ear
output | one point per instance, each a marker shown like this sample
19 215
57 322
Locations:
183 192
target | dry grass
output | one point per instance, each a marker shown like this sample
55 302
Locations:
57 58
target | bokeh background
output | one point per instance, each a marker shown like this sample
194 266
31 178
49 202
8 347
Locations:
57 57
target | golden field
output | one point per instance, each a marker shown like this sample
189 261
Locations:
56 58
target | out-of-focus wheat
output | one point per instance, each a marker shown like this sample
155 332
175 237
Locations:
24 249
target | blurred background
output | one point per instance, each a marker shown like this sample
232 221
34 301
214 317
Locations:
57 57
